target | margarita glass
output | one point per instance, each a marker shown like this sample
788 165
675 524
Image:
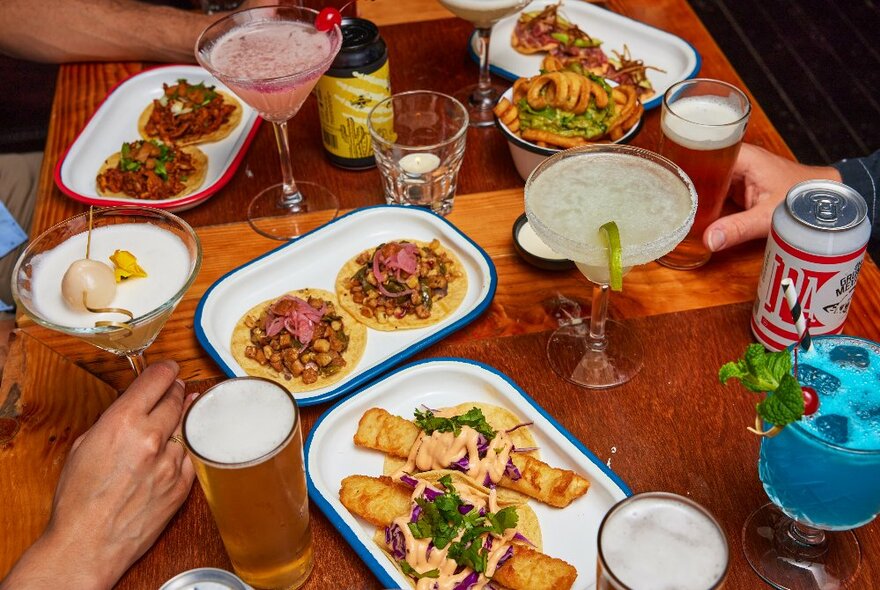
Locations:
271 57
165 246
822 473
568 198
480 98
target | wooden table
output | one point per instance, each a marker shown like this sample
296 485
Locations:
671 427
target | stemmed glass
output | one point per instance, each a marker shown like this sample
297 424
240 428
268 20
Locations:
271 57
568 198
114 333
822 473
480 98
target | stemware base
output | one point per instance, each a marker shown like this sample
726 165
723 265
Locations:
479 103
789 564
592 363
270 216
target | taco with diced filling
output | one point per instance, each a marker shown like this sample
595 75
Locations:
402 284
152 170
303 340
187 114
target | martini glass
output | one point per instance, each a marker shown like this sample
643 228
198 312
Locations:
568 197
271 57
481 97
152 235
821 473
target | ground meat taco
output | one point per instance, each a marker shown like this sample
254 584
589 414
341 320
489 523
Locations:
187 114
302 340
152 170
402 284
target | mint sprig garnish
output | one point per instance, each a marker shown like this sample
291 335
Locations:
768 372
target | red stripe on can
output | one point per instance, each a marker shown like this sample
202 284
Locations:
810 257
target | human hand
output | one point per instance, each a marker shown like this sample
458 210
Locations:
761 180
121 483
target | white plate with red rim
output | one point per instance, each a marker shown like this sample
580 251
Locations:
116 121
677 58
568 533
314 260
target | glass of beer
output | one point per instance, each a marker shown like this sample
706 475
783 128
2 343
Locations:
703 123
660 540
245 441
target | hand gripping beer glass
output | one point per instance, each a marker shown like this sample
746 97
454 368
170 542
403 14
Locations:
821 473
703 123
245 441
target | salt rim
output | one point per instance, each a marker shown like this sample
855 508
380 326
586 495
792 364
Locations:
632 254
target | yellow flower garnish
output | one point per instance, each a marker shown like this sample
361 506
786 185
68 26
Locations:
125 266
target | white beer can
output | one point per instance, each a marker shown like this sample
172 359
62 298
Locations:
818 240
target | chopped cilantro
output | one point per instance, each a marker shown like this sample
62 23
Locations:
410 571
474 418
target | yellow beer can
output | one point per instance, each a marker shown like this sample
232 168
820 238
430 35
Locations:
356 81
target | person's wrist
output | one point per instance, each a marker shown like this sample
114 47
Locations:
95 567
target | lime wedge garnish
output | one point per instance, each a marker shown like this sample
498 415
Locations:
611 235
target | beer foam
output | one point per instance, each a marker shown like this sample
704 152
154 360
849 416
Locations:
656 543
703 123
239 420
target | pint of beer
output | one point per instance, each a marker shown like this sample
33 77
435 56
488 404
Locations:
245 442
703 123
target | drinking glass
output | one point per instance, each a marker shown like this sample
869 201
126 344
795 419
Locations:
245 440
568 197
660 540
481 97
419 140
113 332
271 57
822 473
703 123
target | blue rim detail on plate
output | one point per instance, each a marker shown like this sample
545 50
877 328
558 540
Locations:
362 551
363 378
651 104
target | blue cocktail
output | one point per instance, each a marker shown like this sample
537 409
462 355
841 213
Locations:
822 471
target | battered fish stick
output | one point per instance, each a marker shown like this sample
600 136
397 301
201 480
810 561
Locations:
379 500
381 431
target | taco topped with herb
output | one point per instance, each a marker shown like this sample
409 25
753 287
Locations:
187 114
302 340
152 170
402 284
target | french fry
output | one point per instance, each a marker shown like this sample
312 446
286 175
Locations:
562 141
508 114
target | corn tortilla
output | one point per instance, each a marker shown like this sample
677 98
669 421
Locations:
221 132
191 184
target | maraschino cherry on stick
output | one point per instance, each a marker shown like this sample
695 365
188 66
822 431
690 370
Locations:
330 17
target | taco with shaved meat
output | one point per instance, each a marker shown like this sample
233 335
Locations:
188 114
402 284
303 340
152 170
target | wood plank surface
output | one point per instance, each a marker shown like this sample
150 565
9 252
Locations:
672 428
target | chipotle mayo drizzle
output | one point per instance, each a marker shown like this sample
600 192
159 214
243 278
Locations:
421 561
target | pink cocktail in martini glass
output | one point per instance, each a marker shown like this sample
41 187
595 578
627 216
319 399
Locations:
271 57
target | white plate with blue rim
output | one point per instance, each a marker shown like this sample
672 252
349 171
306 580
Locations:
568 533
313 261
677 58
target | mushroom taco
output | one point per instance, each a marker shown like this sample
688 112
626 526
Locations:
402 284
187 114
152 170
303 340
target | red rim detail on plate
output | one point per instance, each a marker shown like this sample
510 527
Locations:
188 200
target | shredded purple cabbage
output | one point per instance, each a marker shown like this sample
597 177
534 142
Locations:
431 495
488 544
395 541
507 555
465 508
482 445
524 539
511 471
509 430
487 481
523 449
466 584
462 464
416 511
429 409
409 480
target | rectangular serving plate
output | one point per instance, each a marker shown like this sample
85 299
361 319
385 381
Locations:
677 58
568 533
116 121
314 260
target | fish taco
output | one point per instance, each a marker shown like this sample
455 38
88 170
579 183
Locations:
303 340
188 114
402 284
152 170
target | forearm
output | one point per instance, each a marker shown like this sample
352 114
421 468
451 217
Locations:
98 30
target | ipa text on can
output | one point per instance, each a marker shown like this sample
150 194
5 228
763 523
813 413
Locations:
818 240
